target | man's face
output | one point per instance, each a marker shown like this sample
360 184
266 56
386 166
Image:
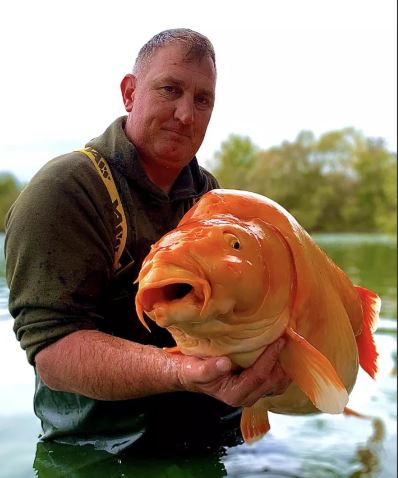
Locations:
170 105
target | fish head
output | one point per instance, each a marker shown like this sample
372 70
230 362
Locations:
218 285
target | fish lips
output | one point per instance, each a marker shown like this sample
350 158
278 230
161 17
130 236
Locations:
173 299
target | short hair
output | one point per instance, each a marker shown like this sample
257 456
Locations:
197 46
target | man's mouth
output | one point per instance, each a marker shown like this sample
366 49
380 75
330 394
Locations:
177 132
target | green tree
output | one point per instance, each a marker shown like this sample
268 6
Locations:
9 191
234 161
335 153
342 181
288 175
374 203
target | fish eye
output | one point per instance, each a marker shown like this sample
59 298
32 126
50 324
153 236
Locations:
232 240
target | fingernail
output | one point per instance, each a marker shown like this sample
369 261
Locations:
223 364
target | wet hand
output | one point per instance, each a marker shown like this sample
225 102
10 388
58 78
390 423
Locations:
214 376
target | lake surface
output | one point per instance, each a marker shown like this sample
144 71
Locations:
318 446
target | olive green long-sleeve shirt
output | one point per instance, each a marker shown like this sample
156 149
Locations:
60 237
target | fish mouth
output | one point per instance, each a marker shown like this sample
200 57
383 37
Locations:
166 293
171 300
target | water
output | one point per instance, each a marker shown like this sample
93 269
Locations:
320 446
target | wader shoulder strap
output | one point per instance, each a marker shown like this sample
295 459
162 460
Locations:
104 172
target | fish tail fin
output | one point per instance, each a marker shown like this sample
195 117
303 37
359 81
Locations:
367 352
313 373
254 422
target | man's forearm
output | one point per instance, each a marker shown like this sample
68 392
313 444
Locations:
105 367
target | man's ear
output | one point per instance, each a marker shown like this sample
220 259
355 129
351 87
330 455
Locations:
128 88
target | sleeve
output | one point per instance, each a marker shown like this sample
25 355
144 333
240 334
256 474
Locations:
59 253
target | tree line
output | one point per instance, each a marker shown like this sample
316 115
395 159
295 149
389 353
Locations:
339 182
9 191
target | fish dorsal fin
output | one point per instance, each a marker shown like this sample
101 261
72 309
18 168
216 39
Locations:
367 352
313 374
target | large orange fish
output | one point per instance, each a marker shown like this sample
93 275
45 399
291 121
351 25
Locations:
237 273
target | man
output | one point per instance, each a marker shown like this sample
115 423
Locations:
101 377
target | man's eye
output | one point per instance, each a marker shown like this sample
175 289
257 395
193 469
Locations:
170 90
202 101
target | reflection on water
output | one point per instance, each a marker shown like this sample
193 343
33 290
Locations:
318 446
275 461
324 455
368 455
369 261
82 462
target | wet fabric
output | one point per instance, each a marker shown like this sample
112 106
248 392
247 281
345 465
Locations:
60 238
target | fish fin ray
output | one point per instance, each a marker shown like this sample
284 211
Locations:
254 422
367 352
313 373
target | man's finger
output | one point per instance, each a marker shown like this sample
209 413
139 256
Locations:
205 371
264 376
261 370
270 356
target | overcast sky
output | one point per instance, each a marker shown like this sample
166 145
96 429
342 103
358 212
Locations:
283 66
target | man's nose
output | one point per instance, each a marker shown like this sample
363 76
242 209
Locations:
184 110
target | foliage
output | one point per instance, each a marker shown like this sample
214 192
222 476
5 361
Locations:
235 160
9 191
342 181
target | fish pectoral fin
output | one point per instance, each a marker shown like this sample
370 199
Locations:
313 373
172 350
254 422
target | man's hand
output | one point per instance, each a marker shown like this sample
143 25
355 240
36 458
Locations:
214 377
105 367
